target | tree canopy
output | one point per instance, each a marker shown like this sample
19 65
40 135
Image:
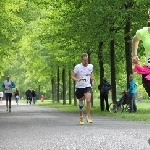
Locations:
37 37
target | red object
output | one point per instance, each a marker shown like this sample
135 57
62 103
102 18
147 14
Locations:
42 97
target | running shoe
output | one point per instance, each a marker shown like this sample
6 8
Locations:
81 120
9 109
88 119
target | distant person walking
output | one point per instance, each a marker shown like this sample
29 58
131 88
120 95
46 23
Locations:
42 98
132 94
104 88
33 96
28 94
17 95
7 86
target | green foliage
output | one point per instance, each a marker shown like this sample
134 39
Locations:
38 36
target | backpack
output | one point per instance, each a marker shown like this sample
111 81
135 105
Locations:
105 87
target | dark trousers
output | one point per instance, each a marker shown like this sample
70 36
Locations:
132 104
29 99
146 84
8 96
103 97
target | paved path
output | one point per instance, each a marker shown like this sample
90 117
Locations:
30 127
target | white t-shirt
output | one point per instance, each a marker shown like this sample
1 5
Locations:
8 89
83 73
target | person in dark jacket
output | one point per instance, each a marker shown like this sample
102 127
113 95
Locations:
28 94
132 94
33 96
104 88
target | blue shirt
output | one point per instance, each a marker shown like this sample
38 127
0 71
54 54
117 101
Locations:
133 87
6 84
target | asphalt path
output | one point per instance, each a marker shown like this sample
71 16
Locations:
30 127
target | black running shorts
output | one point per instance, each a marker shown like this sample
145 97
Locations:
8 96
81 91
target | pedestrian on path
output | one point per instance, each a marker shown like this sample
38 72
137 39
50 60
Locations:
7 87
42 98
132 94
33 96
17 95
28 94
83 76
104 88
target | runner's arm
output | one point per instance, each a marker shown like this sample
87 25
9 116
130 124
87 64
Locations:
73 77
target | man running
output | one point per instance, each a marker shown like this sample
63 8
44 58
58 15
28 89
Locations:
83 76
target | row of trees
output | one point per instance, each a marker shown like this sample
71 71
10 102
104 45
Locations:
41 41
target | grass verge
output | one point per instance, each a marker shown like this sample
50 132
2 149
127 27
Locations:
143 113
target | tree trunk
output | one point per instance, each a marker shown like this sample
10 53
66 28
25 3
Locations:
52 81
113 70
100 59
128 44
74 89
101 63
39 91
58 79
64 85
70 96
148 17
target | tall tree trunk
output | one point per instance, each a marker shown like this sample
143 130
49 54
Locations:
128 43
100 59
39 91
148 17
75 99
70 96
101 63
128 51
64 85
74 89
113 70
58 80
52 81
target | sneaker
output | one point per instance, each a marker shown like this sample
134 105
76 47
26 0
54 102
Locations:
9 109
88 119
81 120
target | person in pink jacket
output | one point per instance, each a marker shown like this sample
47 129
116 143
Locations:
144 36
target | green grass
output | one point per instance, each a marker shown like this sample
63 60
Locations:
143 113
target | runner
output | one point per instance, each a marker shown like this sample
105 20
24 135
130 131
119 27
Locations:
83 76
7 86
